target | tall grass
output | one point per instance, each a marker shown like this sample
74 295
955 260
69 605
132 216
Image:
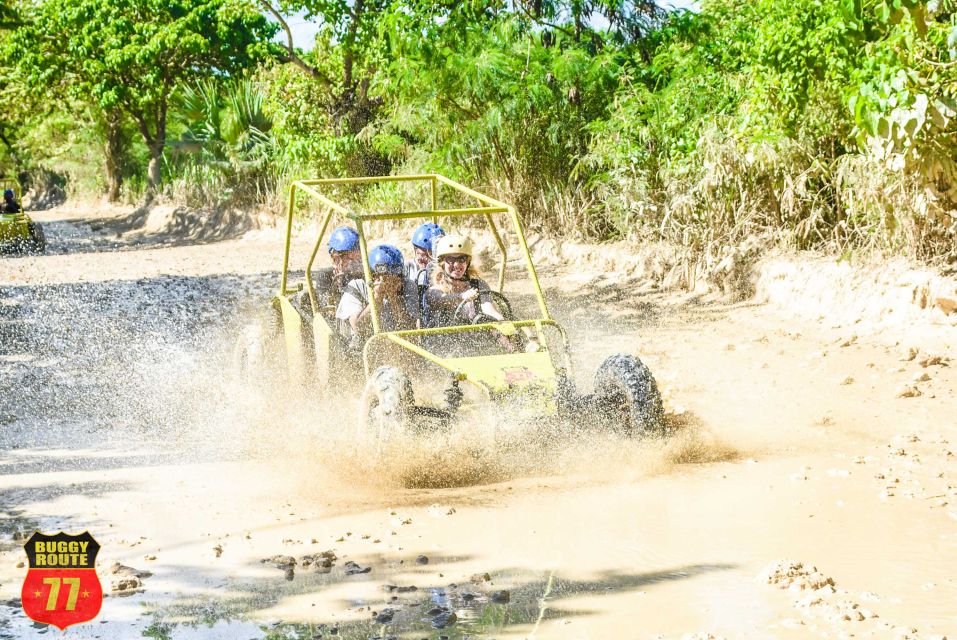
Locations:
732 190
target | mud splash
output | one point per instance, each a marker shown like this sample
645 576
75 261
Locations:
472 455
315 435
151 361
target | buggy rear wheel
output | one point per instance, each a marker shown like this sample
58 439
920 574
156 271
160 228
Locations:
627 396
37 241
388 405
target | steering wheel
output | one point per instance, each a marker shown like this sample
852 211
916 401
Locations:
504 306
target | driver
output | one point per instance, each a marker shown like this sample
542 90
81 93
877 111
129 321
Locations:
455 282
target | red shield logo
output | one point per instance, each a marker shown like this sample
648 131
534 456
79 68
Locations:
61 587
517 375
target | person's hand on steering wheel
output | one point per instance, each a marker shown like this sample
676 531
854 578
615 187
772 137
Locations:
500 302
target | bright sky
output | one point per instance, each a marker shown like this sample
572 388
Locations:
304 31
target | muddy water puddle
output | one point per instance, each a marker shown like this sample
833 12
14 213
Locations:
434 612
670 554
532 604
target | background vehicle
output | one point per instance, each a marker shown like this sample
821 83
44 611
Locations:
420 378
17 231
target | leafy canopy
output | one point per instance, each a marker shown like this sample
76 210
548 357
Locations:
132 53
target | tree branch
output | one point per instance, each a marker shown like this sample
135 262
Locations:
449 100
521 7
140 119
7 143
503 160
292 57
348 57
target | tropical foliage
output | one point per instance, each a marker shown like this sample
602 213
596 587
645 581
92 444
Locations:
823 123
126 57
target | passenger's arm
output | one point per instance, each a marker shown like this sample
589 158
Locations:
489 309
353 306
358 318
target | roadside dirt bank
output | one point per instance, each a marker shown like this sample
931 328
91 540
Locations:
817 432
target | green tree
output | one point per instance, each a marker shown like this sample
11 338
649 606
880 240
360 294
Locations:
627 21
130 55
8 16
9 19
348 36
499 96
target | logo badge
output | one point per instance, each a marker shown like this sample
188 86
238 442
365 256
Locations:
61 587
517 375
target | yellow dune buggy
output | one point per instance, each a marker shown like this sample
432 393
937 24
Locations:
411 380
17 231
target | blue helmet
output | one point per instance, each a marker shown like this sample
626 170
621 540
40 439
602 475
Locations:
343 239
8 193
386 259
425 234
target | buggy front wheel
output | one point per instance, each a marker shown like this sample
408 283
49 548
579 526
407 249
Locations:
627 397
388 405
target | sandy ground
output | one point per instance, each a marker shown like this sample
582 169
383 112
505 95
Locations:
811 491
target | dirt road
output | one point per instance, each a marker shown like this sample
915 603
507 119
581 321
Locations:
811 491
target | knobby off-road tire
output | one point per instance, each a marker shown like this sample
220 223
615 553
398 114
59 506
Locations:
627 396
387 409
37 242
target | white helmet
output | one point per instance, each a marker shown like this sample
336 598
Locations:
452 245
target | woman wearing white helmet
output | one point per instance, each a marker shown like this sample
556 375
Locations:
455 282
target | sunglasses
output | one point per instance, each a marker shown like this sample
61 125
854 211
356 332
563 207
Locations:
455 259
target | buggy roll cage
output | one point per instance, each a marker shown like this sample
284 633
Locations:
489 207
